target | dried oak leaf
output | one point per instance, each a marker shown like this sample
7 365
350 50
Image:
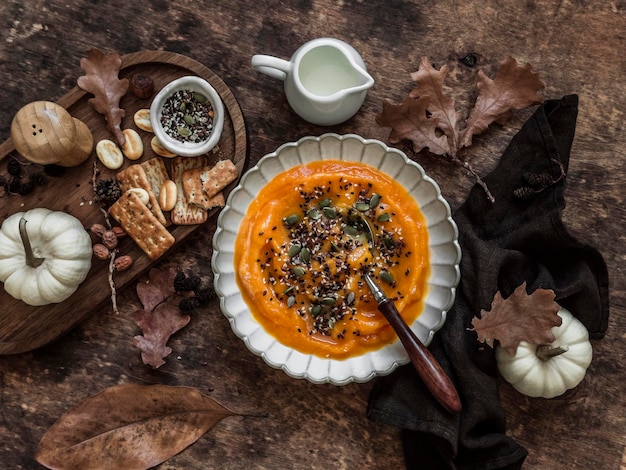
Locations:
102 80
439 106
514 87
428 117
160 317
519 317
130 427
409 121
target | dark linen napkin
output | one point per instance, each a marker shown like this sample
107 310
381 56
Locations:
503 244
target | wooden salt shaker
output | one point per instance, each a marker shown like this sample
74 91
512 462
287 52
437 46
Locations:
44 132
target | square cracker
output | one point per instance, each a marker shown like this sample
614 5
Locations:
216 201
217 178
156 173
186 213
142 225
135 177
192 186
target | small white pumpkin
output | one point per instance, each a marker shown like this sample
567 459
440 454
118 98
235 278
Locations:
44 255
549 370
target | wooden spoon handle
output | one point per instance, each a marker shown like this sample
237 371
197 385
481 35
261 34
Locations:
424 362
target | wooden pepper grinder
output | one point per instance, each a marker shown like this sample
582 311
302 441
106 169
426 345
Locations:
44 132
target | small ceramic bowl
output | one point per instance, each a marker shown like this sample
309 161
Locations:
187 148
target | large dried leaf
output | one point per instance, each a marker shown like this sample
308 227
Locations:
102 80
440 106
129 427
514 87
409 120
520 317
160 318
428 118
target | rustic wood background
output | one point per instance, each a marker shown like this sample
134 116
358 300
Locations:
577 46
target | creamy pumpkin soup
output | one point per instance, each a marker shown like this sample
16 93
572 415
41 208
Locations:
303 248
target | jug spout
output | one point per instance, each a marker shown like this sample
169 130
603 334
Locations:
365 79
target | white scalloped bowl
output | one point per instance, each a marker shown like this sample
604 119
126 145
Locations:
445 255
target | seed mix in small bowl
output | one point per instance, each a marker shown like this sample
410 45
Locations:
187 116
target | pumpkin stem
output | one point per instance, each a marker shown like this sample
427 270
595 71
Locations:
31 259
546 351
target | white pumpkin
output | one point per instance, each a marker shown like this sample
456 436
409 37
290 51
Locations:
44 255
549 370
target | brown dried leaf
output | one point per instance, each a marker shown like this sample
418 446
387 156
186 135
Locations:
441 107
157 327
129 427
102 81
520 317
160 318
409 120
514 87
159 287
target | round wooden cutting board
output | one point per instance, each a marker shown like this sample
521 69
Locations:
24 328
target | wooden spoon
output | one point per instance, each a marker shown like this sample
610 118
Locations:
424 362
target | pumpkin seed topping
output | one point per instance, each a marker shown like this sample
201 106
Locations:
317 273
387 277
292 219
305 255
314 214
362 206
299 271
325 203
374 200
330 212
294 250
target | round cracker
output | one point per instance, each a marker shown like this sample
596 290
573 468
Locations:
158 148
142 120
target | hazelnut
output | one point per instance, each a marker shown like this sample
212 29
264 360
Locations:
97 229
101 252
122 263
141 86
109 239
119 232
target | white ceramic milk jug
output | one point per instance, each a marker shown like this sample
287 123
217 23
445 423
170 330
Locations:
325 80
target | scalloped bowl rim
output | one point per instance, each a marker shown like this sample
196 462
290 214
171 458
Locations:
371 364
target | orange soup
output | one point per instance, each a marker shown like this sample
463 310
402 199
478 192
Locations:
305 244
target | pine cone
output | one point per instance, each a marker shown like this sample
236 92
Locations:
107 191
205 295
53 170
38 179
188 305
538 180
184 283
524 193
14 168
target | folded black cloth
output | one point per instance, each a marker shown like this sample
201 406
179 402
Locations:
504 243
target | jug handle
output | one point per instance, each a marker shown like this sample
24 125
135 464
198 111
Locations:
272 66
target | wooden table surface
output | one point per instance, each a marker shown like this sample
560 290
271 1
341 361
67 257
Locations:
576 46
